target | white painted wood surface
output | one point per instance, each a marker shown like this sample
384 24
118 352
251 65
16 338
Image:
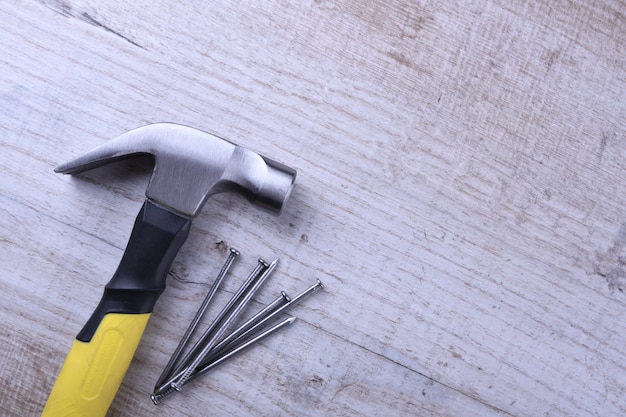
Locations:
461 193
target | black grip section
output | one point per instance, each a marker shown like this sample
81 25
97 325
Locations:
140 278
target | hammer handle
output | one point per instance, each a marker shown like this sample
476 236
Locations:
93 371
104 348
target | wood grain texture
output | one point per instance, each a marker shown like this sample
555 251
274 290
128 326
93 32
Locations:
461 193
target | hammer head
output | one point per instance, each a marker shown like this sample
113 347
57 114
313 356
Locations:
191 165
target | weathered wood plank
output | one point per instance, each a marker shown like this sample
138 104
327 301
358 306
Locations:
461 195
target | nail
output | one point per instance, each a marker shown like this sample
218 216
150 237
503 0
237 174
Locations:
207 367
199 314
156 397
261 266
282 299
318 284
209 363
225 345
230 318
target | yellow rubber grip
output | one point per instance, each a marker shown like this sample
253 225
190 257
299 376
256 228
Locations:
93 371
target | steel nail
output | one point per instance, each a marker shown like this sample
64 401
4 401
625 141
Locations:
157 397
167 390
225 325
318 284
208 366
194 323
223 346
169 386
282 299
242 304
199 345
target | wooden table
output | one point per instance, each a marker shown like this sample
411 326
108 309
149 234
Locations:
461 193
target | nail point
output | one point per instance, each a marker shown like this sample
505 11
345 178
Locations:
156 398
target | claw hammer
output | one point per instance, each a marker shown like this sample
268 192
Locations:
190 166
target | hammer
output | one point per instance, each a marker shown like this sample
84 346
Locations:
190 166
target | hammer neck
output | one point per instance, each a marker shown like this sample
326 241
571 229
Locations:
157 236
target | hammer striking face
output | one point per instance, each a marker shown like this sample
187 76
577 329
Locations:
190 166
